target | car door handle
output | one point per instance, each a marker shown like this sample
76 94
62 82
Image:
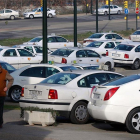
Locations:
80 60
91 60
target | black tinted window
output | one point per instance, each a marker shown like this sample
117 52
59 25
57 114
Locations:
117 36
110 45
68 68
96 36
95 44
109 36
114 76
92 53
10 53
81 53
136 33
124 47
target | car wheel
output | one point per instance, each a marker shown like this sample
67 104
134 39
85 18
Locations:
133 121
31 16
109 65
117 126
50 15
12 17
79 113
14 93
135 65
119 12
105 13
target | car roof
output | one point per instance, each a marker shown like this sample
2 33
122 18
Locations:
2 61
131 43
84 65
52 35
106 41
24 45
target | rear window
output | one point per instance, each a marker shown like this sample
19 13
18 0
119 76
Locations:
91 68
124 47
62 52
96 36
37 39
60 78
123 80
95 44
136 33
68 68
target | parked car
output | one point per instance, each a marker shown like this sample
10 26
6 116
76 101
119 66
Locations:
102 46
54 42
67 92
110 36
114 9
126 54
8 14
80 55
38 13
18 57
118 102
135 36
7 67
33 74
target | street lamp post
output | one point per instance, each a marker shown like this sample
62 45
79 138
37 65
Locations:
109 9
91 6
96 16
75 23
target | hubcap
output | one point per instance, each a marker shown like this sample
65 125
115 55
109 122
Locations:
16 94
136 121
136 64
81 113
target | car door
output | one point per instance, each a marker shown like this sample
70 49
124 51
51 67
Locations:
10 56
8 13
62 42
38 13
93 57
52 43
2 15
81 57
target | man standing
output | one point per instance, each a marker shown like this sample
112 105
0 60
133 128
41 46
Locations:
4 76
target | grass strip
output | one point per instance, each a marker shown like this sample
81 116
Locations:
11 107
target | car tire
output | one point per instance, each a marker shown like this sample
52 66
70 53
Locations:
135 65
119 12
50 15
14 93
31 16
79 113
12 17
109 65
105 13
117 126
133 121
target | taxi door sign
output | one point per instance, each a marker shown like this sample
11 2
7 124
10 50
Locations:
97 60
65 45
29 59
37 13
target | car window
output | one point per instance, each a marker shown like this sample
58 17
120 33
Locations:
124 47
91 68
7 67
50 71
38 49
111 7
81 53
8 11
1 11
91 53
116 36
117 43
60 39
137 49
24 52
95 44
108 36
60 78
34 10
10 53
110 45
82 83
51 39
36 39
115 6
34 72
29 48
96 36
113 76
39 10
136 33
62 52
68 68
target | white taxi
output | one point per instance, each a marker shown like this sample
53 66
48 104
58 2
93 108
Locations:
54 42
135 36
80 55
18 57
67 92
126 54
104 36
102 46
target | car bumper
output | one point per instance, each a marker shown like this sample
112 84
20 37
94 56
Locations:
110 113
121 61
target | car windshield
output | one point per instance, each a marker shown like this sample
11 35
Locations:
34 10
136 33
96 36
95 44
123 80
105 6
60 78
68 68
62 52
36 39
38 49
91 68
124 47
7 67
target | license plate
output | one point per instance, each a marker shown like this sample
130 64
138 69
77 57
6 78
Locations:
94 102
114 54
35 93
96 96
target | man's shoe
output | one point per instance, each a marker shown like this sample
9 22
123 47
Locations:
0 126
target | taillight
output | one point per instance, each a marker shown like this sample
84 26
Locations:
126 56
52 94
64 60
107 53
130 37
110 93
92 91
84 41
22 92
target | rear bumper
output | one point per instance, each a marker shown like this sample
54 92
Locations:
124 62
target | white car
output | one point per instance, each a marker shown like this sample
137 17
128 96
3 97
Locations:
38 13
8 14
54 42
114 9
33 74
18 57
110 36
135 36
126 54
102 46
118 102
80 55
66 92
